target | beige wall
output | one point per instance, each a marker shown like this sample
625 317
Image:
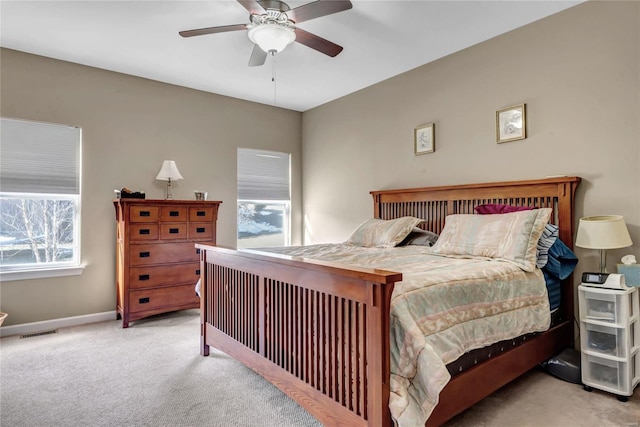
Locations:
577 71
130 125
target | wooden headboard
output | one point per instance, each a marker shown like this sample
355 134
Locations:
435 203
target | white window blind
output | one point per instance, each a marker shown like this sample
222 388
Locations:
263 175
39 157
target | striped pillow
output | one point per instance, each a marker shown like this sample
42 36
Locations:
511 237
547 239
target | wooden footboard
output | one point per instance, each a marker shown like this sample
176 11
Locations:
317 331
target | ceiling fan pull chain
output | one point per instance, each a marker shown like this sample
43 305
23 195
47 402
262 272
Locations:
273 77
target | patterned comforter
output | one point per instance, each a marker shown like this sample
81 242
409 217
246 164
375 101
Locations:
444 307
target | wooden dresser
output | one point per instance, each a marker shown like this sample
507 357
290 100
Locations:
157 264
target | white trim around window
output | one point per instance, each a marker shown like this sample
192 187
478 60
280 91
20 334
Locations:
41 273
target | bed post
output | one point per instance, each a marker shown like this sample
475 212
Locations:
566 223
378 355
204 278
376 206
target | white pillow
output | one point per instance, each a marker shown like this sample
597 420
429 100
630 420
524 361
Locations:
382 233
511 237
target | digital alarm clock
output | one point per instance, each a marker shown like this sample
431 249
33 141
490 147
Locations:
604 280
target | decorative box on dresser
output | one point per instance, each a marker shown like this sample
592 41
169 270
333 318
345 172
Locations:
157 264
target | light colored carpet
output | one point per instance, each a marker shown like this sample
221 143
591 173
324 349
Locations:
151 374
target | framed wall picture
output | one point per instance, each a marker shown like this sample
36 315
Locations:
511 123
424 139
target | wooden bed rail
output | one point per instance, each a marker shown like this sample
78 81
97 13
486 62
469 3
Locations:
316 330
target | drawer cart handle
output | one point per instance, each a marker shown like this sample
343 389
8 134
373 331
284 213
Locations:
145 213
145 254
145 231
198 271
198 251
174 230
174 213
201 213
143 277
200 230
143 300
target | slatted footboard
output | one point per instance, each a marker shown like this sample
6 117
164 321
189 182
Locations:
317 331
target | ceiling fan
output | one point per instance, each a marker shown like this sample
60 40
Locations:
272 26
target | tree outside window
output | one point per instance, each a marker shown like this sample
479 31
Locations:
37 230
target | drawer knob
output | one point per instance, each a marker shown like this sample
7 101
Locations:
200 230
174 213
174 230
145 231
145 254
198 272
198 251
143 277
144 300
145 213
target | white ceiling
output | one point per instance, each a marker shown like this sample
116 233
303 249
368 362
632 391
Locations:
380 39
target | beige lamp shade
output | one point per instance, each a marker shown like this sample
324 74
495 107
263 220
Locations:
603 232
169 171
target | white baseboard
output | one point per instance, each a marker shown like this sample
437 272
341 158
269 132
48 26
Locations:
46 325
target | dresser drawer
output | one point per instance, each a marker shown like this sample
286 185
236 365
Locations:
200 214
171 231
172 296
173 213
143 232
163 253
200 231
144 213
148 277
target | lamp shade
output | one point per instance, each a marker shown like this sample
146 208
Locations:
169 171
272 37
603 232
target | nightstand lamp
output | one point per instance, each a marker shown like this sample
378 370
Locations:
603 232
168 172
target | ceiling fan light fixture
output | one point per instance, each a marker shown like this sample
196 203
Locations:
271 37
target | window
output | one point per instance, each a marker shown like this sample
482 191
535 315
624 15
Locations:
264 198
39 199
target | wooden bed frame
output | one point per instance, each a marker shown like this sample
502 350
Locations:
319 331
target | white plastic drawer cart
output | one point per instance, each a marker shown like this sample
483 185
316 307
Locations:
610 339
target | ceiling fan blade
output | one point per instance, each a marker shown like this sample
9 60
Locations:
317 43
252 6
212 30
258 56
317 9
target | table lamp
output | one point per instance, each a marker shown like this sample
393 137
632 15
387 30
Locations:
603 232
168 172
